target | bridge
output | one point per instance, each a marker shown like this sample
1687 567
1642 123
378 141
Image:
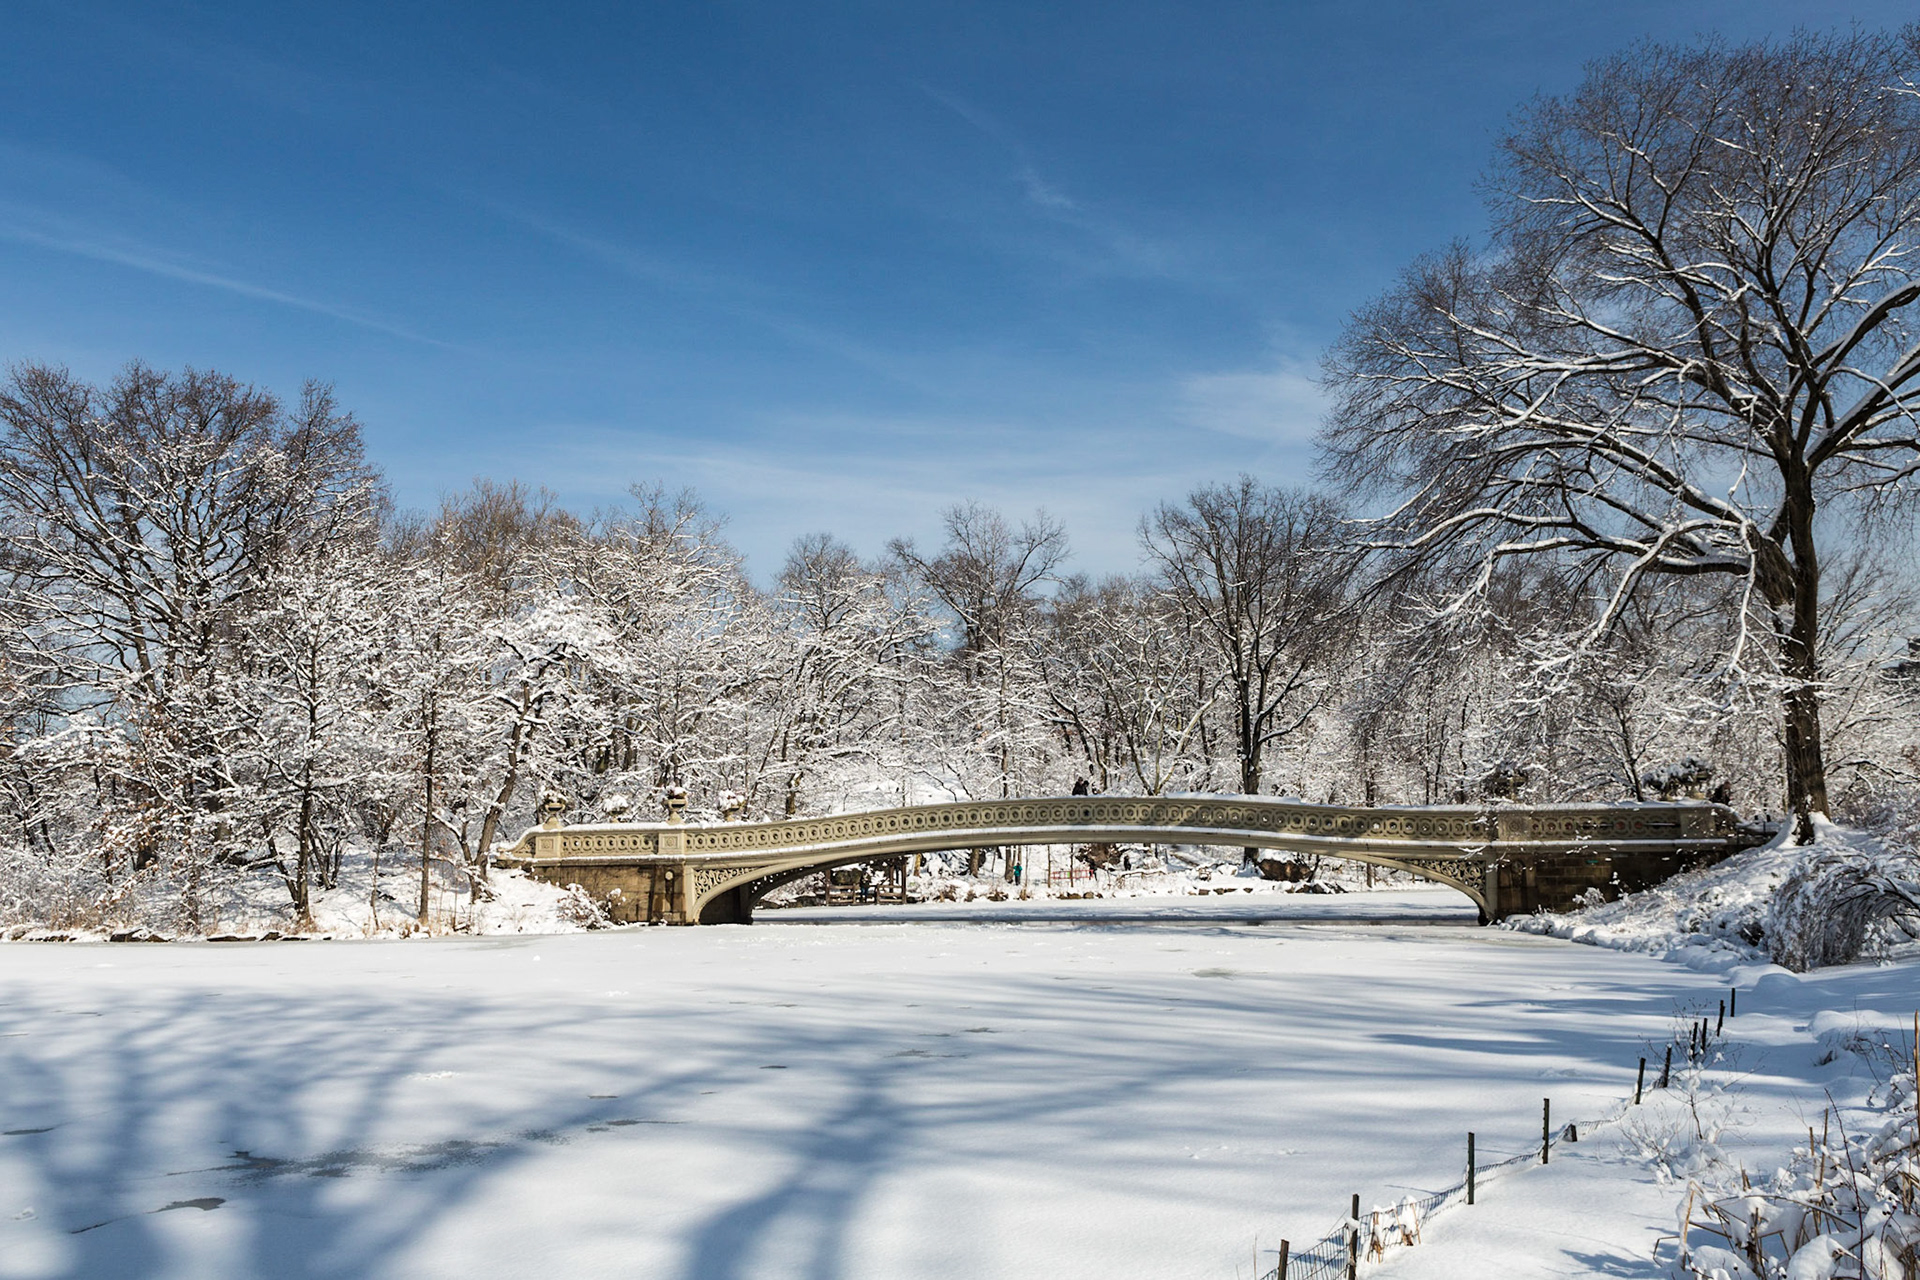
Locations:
1509 859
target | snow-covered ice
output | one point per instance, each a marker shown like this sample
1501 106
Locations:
912 1100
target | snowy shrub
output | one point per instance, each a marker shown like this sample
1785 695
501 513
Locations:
1841 902
577 907
1844 1207
1681 1141
1719 909
1802 906
39 889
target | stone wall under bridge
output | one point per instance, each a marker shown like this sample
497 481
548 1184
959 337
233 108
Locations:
1508 859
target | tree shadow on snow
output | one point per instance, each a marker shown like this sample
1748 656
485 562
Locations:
275 1105
263 1109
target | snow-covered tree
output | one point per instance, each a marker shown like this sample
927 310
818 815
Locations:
1688 351
1261 578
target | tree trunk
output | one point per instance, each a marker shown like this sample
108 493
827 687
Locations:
1249 761
426 831
509 783
1800 664
303 860
1800 706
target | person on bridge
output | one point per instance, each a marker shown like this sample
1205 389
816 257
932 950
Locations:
1080 787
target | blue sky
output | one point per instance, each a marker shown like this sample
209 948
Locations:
834 265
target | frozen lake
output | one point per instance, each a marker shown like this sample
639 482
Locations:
860 1100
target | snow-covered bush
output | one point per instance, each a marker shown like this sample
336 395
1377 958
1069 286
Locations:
577 907
1842 901
1844 1207
1842 898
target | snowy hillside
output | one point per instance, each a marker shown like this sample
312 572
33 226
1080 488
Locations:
1843 896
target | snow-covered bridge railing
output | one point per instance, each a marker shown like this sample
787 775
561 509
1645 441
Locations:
1507 858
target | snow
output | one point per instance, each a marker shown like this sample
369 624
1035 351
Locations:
512 903
1602 1206
911 1100
944 1090
1713 918
1710 919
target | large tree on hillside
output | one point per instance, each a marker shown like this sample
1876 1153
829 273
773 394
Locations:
1688 350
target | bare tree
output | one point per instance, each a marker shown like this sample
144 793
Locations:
989 575
143 520
843 642
1129 692
1688 349
1260 574
143 513
671 592
307 711
503 539
989 570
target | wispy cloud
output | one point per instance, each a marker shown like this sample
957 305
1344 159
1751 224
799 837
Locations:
719 292
868 478
1278 406
1120 246
44 231
1043 193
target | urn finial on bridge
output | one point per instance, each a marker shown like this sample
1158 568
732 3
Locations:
673 798
553 807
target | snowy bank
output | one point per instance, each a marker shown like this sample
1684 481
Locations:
1801 905
509 902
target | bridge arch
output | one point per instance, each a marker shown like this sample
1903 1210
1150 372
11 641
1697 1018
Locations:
731 900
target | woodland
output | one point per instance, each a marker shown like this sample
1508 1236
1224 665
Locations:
1613 506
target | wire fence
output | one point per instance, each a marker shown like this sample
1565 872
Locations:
1366 1237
